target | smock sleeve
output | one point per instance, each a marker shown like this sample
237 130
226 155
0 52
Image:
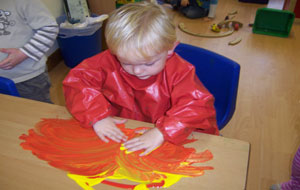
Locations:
82 91
192 108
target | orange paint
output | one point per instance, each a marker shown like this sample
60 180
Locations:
67 146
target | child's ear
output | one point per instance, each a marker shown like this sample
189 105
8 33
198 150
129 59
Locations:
171 51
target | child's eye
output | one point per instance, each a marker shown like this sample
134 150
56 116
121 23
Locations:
149 64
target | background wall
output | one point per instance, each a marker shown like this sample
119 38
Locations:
101 6
55 6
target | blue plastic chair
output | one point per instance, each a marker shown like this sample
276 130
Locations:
8 87
219 75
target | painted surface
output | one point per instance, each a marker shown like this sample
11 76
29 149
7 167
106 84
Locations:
90 161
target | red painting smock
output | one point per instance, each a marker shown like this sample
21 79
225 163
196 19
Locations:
174 100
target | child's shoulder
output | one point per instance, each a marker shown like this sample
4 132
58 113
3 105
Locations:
102 60
177 64
106 54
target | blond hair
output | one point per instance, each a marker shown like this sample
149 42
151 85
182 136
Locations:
143 27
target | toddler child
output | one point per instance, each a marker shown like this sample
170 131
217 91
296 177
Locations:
27 32
195 8
140 77
294 182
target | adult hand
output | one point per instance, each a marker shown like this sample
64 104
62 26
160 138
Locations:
15 57
150 140
106 128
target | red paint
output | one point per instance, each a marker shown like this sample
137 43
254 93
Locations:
67 146
115 184
124 186
156 184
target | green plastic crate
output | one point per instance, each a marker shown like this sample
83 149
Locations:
273 22
120 3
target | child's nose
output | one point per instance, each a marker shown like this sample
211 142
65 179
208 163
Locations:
137 70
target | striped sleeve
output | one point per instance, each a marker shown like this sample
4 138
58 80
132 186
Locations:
41 42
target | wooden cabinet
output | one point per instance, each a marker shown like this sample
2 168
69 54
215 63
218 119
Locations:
102 6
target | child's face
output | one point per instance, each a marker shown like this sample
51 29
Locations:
140 67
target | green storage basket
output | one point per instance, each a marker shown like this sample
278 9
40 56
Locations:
273 22
120 3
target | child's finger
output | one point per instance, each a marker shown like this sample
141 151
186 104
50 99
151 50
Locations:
146 152
118 132
136 147
4 50
118 121
115 138
6 68
133 143
141 131
4 62
102 137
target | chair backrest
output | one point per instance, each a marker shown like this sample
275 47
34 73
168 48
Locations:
219 75
8 87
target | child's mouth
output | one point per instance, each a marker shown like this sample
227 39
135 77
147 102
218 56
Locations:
142 77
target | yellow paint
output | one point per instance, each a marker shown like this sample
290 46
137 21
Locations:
122 147
141 187
171 179
87 182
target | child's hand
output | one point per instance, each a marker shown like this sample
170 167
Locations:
14 57
149 141
106 128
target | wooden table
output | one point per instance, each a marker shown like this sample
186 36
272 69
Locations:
19 169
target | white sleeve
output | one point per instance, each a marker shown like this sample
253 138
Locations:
41 42
44 26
